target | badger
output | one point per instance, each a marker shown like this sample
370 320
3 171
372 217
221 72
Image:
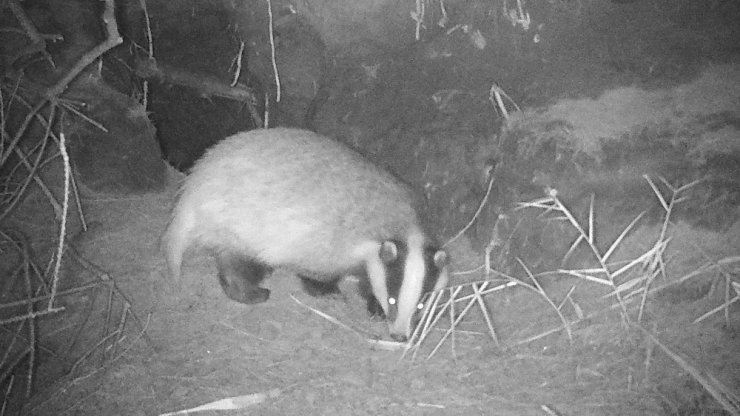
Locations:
293 199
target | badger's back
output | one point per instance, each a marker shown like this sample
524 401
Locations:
288 197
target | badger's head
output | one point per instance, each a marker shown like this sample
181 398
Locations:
403 273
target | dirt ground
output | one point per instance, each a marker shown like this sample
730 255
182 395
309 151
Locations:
592 123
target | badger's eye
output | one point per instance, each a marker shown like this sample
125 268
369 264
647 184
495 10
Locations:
420 306
391 301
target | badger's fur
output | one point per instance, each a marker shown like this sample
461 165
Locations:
294 199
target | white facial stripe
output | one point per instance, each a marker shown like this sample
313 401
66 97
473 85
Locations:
377 276
411 287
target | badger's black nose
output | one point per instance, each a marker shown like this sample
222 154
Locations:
399 337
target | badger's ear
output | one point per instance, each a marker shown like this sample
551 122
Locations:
388 252
440 259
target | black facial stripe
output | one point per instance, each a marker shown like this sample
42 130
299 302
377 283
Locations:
395 270
432 271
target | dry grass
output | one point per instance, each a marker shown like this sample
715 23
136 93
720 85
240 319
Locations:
630 284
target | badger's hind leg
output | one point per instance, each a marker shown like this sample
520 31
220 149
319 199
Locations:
318 288
240 277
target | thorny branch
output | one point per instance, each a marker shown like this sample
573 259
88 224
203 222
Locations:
202 84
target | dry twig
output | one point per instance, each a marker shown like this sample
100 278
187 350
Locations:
724 396
33 158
